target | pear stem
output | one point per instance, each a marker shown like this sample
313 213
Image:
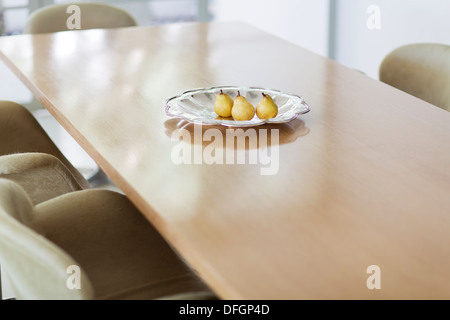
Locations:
221 91
263 94
239 94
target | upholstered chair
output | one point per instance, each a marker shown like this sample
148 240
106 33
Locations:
89 244
54 18
422 70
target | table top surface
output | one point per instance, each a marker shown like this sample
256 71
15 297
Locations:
362 179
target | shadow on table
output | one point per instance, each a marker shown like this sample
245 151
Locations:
266 135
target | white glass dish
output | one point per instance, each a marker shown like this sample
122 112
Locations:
197 106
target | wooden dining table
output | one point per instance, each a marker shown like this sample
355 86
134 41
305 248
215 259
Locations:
357 205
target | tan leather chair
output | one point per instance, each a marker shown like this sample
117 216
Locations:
20 132
422 70
53 18
90 244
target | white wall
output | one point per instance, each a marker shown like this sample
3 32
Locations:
401 21
303 22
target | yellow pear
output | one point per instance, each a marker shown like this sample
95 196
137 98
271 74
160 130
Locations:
242 109
266 108
223 105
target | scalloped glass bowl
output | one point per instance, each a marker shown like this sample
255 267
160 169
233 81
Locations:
197 106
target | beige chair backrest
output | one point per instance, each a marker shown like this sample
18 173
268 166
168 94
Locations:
422 70
37 268
54 18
